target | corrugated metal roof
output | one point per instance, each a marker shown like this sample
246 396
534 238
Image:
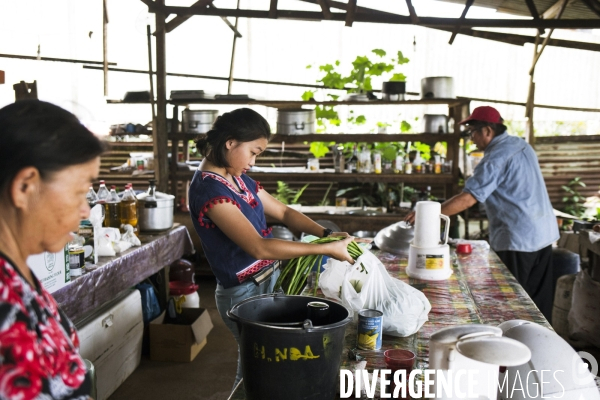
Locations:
575 10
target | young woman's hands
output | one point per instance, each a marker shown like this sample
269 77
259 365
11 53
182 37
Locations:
339 249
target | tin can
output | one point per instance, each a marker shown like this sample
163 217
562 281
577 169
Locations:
140 165
76 260
369 329
317 312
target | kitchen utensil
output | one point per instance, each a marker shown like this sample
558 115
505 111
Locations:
296 121
393 91
395 238
464 248
435 123
437 87
282 232
428 258
475 349
198 121
554 371
364 234
155 210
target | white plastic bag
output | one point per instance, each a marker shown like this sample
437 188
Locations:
584 315
404 308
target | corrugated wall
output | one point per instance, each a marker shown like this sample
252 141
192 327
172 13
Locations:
563 158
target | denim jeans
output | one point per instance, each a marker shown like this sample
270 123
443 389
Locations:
227 298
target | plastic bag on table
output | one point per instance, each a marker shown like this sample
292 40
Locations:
367 284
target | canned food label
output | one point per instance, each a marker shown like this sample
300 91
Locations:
430 261
369 330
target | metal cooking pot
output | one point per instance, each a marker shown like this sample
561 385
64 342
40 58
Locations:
435 123
198 121
437 87
155 214
296 122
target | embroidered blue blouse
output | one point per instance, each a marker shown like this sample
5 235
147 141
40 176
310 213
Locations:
230 264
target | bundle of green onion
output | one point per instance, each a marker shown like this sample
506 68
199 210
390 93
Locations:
294 275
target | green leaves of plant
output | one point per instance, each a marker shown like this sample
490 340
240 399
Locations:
401 59
399 77
379 52
319 149
308 95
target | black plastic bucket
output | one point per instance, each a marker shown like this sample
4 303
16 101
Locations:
283 355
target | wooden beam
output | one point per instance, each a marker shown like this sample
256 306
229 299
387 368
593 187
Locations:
411 11
325 9
468 5
229 24
389 18
69 60
520 40
534 13
2 77
273 9
350 12
551 12
180 19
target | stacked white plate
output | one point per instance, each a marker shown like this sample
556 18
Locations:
395 238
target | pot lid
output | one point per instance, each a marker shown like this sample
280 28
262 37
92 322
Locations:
495 350
157 195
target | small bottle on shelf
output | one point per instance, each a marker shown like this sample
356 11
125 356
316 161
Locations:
399 164
103 193
377 162
352 164
418 163
407 165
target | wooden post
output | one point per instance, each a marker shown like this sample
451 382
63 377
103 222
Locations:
233 49
150 74
161 166
105 45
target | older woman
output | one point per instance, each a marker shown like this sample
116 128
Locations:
47 162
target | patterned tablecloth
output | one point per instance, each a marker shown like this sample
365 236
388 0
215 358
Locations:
480 291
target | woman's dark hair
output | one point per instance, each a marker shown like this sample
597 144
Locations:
37 134
243 125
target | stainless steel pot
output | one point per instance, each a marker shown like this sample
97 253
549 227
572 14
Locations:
296 122
437 87
198 121
435 123
155 214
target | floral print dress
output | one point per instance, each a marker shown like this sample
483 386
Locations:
39 347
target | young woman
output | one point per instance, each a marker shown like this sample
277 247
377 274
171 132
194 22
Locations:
47 162
229 211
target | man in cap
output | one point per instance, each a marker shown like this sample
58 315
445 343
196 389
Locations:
522 223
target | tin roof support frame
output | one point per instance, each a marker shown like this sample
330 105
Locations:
468 5
411 11
325 8
350 12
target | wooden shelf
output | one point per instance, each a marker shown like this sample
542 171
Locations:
338 177
345 137
300 103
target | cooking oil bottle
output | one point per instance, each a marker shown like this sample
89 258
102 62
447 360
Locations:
112 209
128 209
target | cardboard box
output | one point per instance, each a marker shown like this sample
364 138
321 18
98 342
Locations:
182 343
52 269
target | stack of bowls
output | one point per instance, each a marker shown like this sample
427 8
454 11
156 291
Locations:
395 238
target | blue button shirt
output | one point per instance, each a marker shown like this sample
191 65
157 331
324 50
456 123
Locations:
509 181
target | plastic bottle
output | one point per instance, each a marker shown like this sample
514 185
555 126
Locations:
103 193
377 162
407 165
352 163
128 209
418 163
399 167
91 197
112 209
